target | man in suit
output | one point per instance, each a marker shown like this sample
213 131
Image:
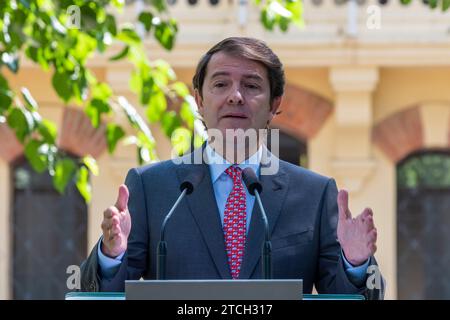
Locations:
217 231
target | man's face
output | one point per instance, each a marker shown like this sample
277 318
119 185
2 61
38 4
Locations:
236 94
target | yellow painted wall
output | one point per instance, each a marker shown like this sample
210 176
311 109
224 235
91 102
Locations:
405 87
397 88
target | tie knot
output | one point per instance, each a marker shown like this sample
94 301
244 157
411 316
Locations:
234 172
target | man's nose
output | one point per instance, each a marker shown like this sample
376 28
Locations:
236 96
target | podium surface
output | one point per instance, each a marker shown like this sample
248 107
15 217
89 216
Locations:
121 296
273 289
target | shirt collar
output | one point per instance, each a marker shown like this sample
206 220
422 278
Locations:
218 164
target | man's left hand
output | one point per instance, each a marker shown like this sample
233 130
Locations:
357 236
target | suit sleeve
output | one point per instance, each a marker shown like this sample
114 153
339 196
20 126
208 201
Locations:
330 275
135 261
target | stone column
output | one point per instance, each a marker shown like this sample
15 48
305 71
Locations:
352 160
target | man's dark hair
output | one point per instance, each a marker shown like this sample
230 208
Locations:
249 48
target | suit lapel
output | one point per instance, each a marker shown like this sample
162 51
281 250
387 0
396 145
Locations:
203 207
272 198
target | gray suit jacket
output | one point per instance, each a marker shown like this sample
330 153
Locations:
302 212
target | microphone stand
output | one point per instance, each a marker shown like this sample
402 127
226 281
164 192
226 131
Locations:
267 245
254 187
161 253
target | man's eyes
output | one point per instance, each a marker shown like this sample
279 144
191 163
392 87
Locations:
252 86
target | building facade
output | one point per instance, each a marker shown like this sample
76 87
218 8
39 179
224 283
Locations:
367 102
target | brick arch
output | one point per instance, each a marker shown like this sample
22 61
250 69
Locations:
400 134
303 113
10 148
76 135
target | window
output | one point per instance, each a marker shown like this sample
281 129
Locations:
423 226
49 234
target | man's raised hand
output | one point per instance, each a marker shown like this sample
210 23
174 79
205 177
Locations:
116 225
357 236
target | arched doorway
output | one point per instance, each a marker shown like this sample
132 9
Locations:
49 233
48 230
291 149
423 225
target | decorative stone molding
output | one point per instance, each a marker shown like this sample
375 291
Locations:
353 173
399 134
78 136
352 161
303 113
435 117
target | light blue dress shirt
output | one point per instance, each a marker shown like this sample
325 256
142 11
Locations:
222 185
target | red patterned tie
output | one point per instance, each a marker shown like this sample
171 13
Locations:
234 222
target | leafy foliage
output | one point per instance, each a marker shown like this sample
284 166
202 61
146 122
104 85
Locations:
428 170
443 4
60 36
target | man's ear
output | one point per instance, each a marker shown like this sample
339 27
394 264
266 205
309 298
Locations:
199 101
274 106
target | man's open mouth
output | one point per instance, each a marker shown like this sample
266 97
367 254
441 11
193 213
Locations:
235 116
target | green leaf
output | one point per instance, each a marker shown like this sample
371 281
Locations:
11 61
445 5
181 140
95 109
88 16
84 46
122 54
129 36
156 106
35 152
30 102
21 122
91 164
266 19
64 171
143 155
110 23
146 90
61 84
160 5
101 91
113 134
170 121
180 88
146 19
48 130
283 23
57 26
165 33
198 141
135 119
187 115
118 3
279 10
6 95
25 3
148 144
38 56
433 3
135 82
162 73
83 185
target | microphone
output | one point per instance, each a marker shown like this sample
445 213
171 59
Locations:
186 187
254 187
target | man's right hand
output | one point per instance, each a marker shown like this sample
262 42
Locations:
116 225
